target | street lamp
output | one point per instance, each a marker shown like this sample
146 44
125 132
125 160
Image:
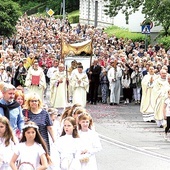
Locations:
64 9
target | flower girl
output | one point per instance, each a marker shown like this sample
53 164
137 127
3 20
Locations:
90 142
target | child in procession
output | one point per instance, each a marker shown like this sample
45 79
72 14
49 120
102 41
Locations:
69 146
7 143
90 142
31 150
55 118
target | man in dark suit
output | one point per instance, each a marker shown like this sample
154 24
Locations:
94 77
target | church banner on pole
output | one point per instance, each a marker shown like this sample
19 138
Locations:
77 48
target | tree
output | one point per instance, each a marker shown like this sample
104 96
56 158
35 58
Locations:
155 10
55 5
71 5
126 6
9 14
158 11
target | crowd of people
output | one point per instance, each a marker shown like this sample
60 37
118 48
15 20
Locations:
37 137
59 139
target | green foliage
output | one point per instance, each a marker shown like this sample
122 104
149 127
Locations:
124 33
74 13
72 5
127 7
162 34
35 9
147 21
160 16
165 41
156 10
29 6
73 17
41 9
55 5
9 14
58 16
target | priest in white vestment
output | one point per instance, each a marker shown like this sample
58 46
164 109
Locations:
147 105
59 87
158 97
80 85
35 80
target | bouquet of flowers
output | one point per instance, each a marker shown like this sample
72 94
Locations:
22 80
84 158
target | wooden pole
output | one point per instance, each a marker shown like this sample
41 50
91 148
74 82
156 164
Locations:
67 84
62 56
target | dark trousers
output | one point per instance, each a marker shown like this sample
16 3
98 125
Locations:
168 125
127 94
93 92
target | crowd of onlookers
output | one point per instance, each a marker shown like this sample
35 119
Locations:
118 66
39 38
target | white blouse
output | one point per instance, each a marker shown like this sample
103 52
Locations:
29 154
6 153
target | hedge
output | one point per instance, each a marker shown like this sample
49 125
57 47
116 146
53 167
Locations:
126 34
165 41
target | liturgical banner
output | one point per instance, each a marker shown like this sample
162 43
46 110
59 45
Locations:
77 48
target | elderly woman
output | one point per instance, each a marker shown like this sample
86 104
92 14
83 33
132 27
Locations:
33 111
104 82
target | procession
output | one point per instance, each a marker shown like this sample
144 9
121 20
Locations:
44 122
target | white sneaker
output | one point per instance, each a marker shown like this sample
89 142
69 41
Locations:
127 101
165 136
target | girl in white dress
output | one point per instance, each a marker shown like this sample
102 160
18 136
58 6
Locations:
55 118
90 142
32 149
6 143
69 146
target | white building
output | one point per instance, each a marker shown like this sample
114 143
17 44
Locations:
92 13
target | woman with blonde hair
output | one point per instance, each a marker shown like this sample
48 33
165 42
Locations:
33 111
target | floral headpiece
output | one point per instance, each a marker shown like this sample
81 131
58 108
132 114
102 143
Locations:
30 125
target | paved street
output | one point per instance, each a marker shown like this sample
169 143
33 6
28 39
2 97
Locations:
128 142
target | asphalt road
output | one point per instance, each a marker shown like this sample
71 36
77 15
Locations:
128 142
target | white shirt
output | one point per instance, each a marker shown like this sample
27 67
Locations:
51 71
29 154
